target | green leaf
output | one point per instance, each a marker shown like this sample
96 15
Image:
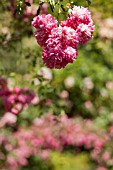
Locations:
27 3
63 8
38 10
89 2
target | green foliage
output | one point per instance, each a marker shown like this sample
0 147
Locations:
35 163
67 161
61 161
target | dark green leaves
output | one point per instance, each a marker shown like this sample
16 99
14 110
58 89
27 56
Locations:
19 6
27 3
89 2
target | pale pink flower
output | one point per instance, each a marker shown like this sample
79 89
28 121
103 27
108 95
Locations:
109 85
45 154
88 84
30 11
64 94
30 1
45 73
77 15
44 9
7 118
88 104
106 156
35 100
69 82
101 168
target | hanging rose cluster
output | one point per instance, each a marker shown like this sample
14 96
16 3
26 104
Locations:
61 43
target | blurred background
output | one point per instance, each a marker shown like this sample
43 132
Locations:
66 116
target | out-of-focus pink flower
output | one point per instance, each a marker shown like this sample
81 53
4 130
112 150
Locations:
14 100
106 27
12 104
45 73
109 85
88 84
44 9
101 168
29 12
88 104
54 133
35 100
27 94
38 122
106 156
48 102
45 154
30 1
9 118
64 94
69 82
12 164
111 129
99 143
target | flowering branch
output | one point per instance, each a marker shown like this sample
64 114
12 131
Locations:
51 3
61 42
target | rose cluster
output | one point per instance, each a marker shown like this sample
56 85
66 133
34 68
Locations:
60 43
14 100
56 133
